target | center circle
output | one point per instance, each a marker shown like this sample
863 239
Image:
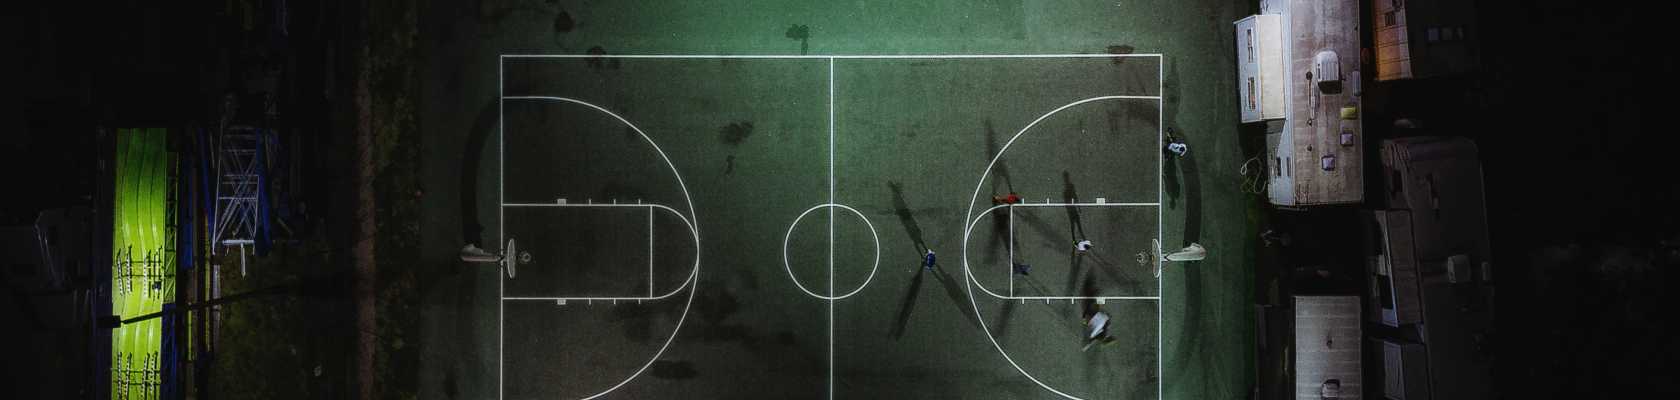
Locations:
789 236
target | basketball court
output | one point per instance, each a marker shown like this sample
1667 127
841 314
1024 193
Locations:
713 226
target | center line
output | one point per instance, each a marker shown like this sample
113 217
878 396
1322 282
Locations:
831 228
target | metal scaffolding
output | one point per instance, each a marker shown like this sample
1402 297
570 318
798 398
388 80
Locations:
240 212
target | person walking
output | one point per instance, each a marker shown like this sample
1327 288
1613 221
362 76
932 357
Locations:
1010 198
1022 269
1096 330
927 261
1176 145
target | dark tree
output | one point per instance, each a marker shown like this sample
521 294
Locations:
801 33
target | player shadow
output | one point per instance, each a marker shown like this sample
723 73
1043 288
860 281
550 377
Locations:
999 169
1192 199
1169 118
1076 269
1000 232
907 305
955 290
906 217
914 230
471 230
1076 230
1182 179
1190 332
1170 182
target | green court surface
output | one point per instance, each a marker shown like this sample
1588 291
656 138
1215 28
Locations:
823 181
906 146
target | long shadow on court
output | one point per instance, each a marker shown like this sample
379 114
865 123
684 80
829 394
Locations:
955 290
1070 194
1190 331
906 306
951 286
999 170
1076 231
471 230
906 217
1192 200
1169 118
914 230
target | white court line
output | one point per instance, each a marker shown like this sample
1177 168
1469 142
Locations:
1011 267
501 225
583 299
693 279
1084 298
1010 294
832 56
831 234
693 273
597 205
501 184
1160 214
970 220
1079 205
788 237
650 252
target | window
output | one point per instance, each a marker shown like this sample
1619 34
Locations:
1388 19
1251 103
1446 34
1251 45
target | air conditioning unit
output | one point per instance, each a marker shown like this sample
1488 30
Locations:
1327 72
1458 268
